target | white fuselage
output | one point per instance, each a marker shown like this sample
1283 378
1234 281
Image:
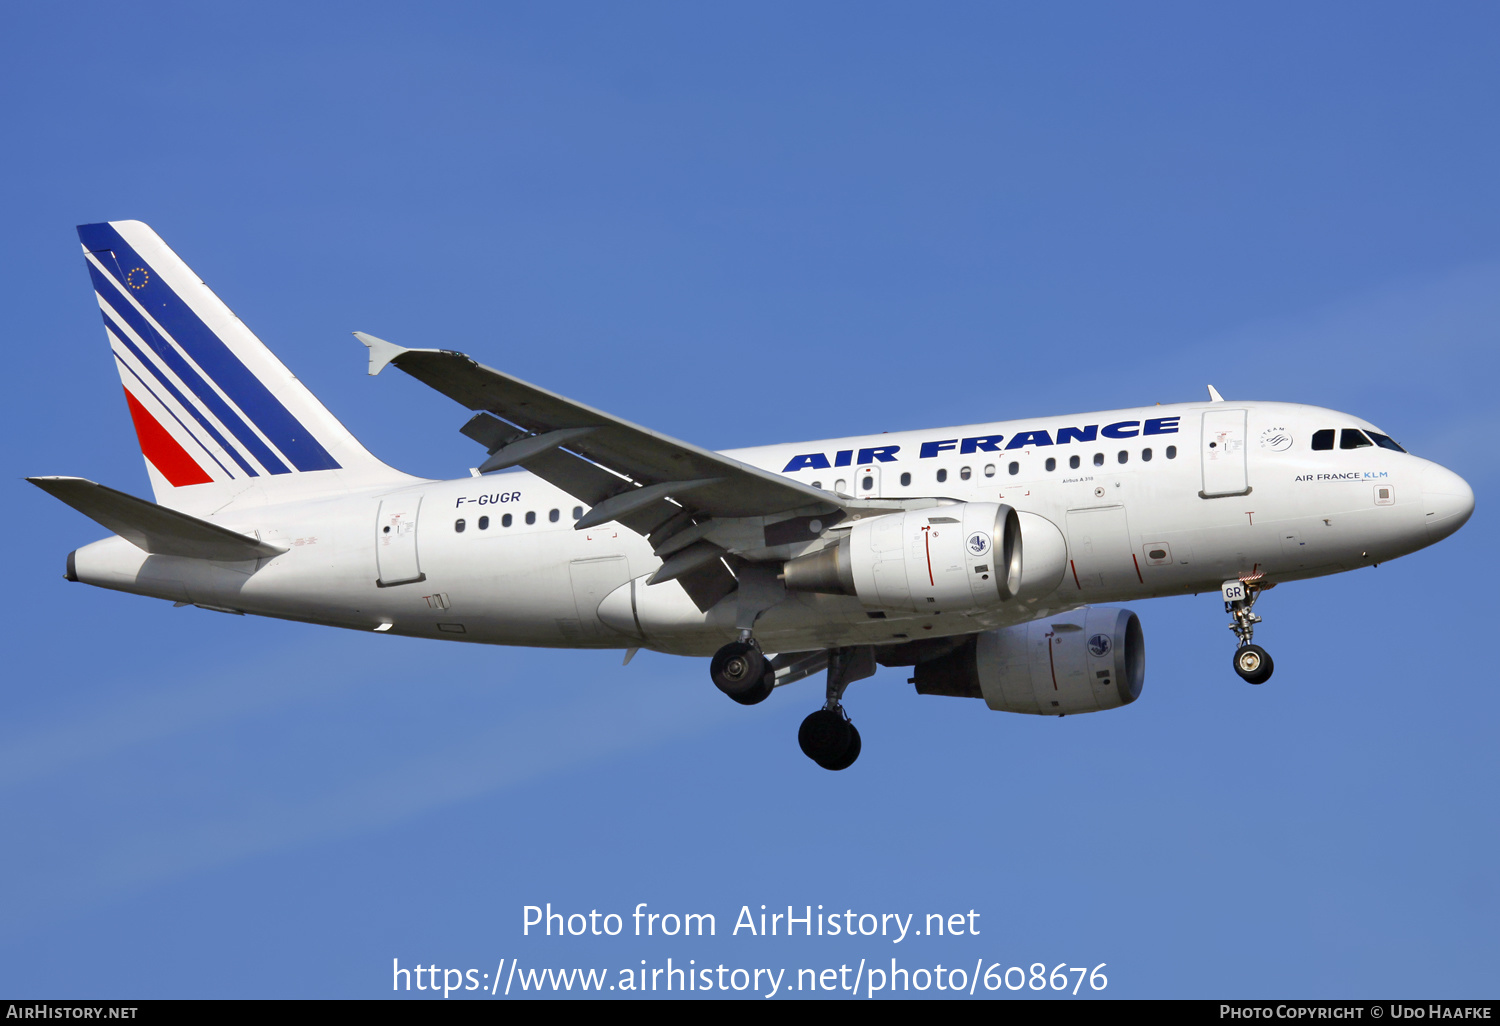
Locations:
1164 500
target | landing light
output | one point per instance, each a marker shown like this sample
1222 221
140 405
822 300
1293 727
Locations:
383 627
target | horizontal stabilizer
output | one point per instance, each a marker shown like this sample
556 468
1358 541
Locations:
152 528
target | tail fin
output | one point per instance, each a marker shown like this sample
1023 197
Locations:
212 406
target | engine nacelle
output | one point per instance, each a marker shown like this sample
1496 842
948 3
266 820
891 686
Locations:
1083 661
943 559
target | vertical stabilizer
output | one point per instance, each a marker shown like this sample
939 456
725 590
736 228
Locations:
216 413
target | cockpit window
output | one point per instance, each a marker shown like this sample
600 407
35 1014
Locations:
1323 439
1385 441
1353 438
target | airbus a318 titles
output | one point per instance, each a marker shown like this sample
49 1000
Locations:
979 556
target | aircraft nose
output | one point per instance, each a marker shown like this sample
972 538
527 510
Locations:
1447 501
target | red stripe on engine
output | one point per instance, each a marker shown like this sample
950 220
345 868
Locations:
162 449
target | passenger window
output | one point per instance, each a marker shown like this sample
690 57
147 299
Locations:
989 470
841 486
942 476
1124 456
1145 455
459 525
1353 438
578 511
816 484
1098 459
1015 468
965 473
1385 441
867 483
1051 464
1073 462
905 480
1171 452
531 516
506 520
484 523
554 515
1323 439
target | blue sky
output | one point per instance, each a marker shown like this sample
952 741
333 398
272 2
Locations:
740 225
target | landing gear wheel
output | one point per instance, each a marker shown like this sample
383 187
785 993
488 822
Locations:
850 754
1253 663
829 740
760 692
741 672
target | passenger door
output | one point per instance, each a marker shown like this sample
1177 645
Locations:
396 542
1223 453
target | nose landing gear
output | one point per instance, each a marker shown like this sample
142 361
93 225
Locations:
1251 662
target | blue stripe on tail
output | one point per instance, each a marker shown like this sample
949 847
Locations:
184 371
172 390
236 380
127 369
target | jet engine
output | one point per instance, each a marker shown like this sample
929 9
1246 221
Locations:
947 558
1083 661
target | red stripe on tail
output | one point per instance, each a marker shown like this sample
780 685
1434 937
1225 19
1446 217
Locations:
171 459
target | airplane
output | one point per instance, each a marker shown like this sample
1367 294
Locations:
581 530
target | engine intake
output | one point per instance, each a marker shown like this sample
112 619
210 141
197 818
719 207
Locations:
1084 661
948 558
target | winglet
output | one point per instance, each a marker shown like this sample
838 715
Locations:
1213 393
381 351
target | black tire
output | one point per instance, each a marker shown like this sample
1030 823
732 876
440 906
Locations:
850 754
1253 663
761 691
825 736
739 670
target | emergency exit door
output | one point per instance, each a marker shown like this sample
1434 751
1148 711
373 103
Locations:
1223 453
396 542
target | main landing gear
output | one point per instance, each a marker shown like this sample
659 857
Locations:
742 671
1251 662
826 736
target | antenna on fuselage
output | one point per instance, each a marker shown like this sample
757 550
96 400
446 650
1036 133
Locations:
1213 395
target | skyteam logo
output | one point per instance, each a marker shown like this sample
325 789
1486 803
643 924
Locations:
978 543
1277 439
1099 645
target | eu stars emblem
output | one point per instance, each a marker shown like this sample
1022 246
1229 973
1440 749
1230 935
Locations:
137 278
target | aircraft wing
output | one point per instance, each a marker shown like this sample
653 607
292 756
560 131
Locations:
655 485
